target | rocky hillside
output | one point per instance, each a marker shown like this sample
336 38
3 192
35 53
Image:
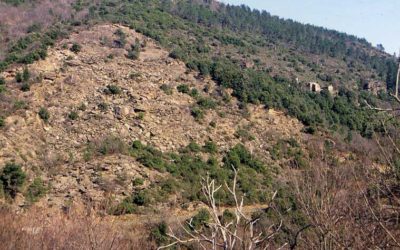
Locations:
120 119
145 105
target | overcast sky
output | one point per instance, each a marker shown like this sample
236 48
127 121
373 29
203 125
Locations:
376 20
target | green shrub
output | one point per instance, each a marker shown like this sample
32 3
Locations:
309 130
159 233
137 182
25 87
183 88
167 89
133 54
36 27
103 106
12 177
291 151
177 54
44 114
244 134
152 160
82 107
169 186
1 190
213 124
193 147
141 115
76 48
200 219
137 145
20 105
134 75
228 216
26 74
2 80
36 190
2 122
18 77
187 170
73 115
194 93
141 198
206 103
238 156
113 90
210 147
125 207
197 113
121 42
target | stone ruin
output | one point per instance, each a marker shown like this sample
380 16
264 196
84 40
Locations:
314 87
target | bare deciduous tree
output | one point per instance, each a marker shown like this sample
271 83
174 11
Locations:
239 233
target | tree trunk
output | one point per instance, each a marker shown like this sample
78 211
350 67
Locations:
397 81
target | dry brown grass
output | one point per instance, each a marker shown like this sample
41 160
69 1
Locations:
76 229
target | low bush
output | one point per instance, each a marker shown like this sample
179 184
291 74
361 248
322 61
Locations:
76 48
125 207
290 151
210 147
167 89
206 103
183 88
194 93
193 147
197 113
26 74
137 182
18 77
200 219
133 54
25 87
44 114
159 234
73 115
112 145
121 42
36 190
113 90
239 157
12 178
187 169
2 122
103 106
244 134
141 198
177 54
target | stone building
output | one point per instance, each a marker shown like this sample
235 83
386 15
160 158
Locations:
375 87
314 87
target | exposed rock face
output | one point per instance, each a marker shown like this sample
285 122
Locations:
141 111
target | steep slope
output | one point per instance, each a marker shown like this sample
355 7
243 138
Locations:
119 111
67 82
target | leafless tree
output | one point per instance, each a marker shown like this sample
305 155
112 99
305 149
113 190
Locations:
239 233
